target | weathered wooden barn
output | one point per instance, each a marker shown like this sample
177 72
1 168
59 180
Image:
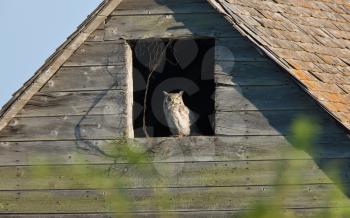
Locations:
250 68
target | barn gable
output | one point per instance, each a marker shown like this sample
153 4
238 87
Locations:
105 52
85 97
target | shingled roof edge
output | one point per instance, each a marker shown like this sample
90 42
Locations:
244 30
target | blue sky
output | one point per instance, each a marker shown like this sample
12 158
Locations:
31 30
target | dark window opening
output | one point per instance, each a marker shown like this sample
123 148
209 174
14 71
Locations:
175 65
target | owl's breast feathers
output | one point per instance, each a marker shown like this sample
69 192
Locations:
178 119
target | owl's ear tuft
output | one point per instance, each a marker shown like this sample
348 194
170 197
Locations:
165 93
181 93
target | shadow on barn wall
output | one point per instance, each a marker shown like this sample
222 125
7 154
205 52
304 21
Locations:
259 98
267 88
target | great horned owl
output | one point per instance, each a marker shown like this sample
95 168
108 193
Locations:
178 116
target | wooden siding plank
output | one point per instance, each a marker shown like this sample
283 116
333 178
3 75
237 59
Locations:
62 215
237 49
249 73
162 26
97 36
136 7
64 128
192 149
87 78
75 103
174 199
288 97
305 213
98 54
269 122
198 174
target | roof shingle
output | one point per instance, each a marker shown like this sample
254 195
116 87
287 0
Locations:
311 36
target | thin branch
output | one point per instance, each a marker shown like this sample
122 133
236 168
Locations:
152 70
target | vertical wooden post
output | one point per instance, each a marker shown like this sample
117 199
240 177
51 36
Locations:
129 131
